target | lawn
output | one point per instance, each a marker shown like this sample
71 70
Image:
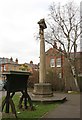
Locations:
40 109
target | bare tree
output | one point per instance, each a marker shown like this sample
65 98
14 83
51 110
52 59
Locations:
64 27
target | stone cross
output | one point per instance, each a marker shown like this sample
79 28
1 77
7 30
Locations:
42 89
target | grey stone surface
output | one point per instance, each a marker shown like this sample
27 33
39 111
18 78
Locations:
55 98
69 109
42 90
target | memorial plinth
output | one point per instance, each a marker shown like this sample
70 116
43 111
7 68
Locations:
42 89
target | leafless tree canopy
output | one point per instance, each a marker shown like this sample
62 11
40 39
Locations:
64 26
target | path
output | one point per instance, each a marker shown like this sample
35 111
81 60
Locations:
69 109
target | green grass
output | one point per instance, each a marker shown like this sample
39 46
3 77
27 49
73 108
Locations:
40 109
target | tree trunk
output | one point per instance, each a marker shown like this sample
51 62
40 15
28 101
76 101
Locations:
74 76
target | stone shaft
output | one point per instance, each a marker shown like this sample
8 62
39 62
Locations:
42 58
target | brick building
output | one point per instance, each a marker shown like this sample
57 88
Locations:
55 59
58 69
54 67
7 64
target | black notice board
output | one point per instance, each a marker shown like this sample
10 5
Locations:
16 80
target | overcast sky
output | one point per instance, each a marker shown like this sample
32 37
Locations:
18 26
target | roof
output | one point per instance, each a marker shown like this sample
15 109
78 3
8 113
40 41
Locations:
54 51
58 51
6 60
34 66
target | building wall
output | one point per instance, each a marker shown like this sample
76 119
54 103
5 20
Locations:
54 71
7 65
61 77
54 54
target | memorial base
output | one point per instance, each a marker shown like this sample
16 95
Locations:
42 90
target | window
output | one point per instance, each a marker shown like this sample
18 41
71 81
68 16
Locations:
4 67
58 62
52 62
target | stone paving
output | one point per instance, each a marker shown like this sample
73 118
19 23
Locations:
69 109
